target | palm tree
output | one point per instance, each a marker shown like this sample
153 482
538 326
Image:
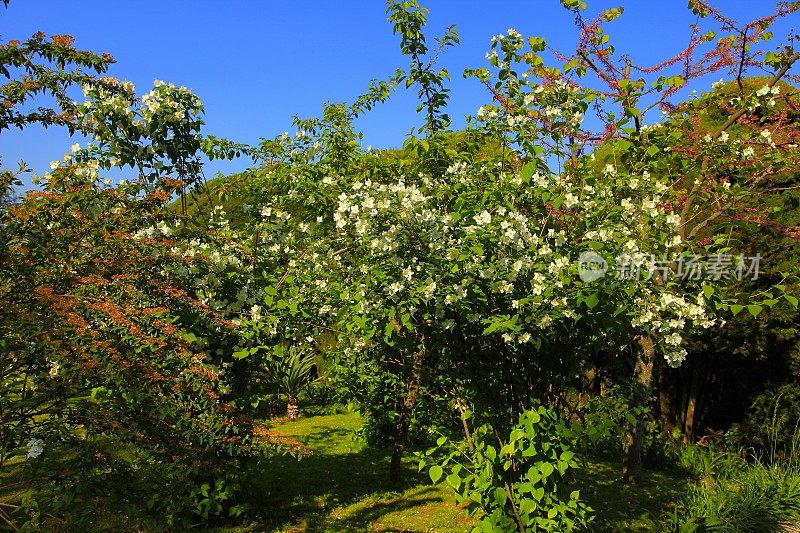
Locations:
290 374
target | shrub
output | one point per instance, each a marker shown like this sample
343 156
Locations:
757 499
772 423
518 483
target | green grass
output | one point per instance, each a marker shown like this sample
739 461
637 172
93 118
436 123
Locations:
621 507
343 487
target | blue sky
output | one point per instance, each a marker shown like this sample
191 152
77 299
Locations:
255 64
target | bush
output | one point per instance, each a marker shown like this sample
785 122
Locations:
772 424
518 483
602 423
757 499
706 464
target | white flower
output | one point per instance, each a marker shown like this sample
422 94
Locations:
627 205
540 180
430 290
765 90
675 359
35 448
483 218
75 148
54 165
724 136
255 313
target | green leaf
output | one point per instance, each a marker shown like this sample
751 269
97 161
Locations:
546 469
435 473
527 172
708 291
454 480
241 354
754 309
791 299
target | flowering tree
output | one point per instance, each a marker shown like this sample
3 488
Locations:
445 274
452 276
106 350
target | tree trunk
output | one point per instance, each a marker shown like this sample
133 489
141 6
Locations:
694 394
666 401
640 395
292 409
407 411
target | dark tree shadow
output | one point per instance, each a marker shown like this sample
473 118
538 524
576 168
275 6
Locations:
288 491
614 502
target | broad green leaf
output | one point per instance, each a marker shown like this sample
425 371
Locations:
435 473
754 309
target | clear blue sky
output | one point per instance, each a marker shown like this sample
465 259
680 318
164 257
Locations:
256 63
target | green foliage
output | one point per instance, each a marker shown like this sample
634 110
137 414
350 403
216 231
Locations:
517 482
290 373
707 463
755 499
602 420
104 369
408 19
42 66
446 274
771 427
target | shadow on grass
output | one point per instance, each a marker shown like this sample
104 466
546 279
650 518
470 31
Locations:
369 518
288 492
621 507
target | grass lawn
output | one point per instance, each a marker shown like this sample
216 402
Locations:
343 487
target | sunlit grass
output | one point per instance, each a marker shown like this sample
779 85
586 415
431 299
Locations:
344 487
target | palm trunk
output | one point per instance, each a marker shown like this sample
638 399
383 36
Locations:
407 411
292 409
640 395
